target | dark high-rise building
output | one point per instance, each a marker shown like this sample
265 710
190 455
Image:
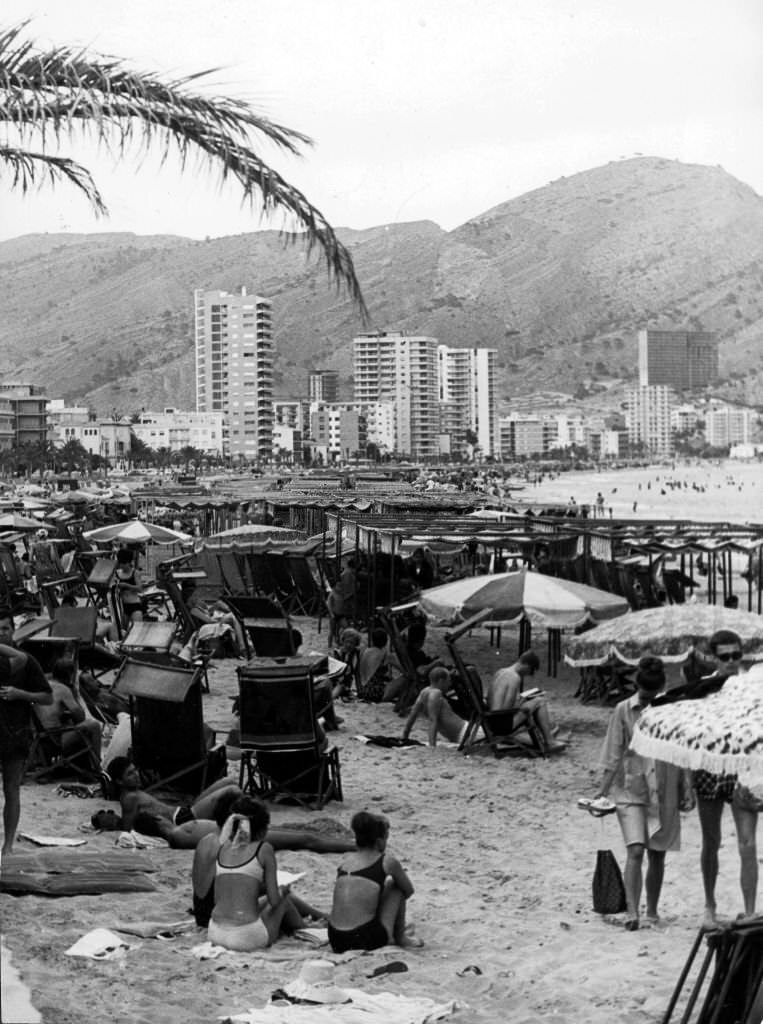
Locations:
679 359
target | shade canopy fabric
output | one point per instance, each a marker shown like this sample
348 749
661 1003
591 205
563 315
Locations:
670 632
137 531
545 600
13 521
719 733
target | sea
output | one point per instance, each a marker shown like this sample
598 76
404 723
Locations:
727 491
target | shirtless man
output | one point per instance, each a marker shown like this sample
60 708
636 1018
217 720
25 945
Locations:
134 801
66 710
504 692
433 705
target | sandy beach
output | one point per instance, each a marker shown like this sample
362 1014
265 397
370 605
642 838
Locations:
499 853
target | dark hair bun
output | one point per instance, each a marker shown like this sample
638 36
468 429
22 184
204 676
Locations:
650 674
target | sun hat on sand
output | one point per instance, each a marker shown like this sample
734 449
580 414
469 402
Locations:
316 984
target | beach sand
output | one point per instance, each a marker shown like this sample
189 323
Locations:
500 856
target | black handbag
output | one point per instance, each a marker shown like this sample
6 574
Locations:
608 887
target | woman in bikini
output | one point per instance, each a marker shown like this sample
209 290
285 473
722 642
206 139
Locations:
370 892
251 910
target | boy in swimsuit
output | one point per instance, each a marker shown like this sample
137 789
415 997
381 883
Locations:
370 892
433 705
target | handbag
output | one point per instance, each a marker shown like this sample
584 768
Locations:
608 887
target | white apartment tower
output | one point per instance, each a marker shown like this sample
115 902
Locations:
402 369
648 416
466 379
234 368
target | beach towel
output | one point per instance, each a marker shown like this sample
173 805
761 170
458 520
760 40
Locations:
155 929
371 1008
99 944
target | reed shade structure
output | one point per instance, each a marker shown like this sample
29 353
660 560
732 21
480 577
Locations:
721 733
136 531
545 600
671 632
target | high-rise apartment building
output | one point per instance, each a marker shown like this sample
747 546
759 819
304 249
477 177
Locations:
29 413
323 385
402 369
678 359
234 368
647 418
466 381
726 425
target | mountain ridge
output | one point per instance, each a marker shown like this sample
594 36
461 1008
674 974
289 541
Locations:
558 280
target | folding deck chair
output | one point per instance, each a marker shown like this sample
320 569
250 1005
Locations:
267 628
413 681
500 729
309 597
283 754
168 741
81 622
47 756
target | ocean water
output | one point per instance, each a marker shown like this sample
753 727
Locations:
729 491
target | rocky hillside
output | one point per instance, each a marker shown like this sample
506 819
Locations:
558 281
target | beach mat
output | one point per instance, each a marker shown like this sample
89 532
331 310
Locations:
71 872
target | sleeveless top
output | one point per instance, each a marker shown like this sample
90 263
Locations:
251 867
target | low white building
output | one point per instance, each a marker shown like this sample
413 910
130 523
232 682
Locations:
176 429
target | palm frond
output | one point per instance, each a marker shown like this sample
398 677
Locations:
61 92
34 169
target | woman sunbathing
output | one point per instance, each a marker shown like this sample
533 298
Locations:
370 892
251 910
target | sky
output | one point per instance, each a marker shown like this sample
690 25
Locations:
419 109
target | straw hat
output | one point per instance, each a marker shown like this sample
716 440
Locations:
316 984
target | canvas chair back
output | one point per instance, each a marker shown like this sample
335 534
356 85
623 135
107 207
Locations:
80 622
168 742
309 599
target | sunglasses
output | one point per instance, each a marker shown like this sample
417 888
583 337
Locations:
730 656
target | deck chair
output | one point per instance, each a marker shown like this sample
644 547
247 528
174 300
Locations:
258 570
309 598
282 582
267 627
233 572
47 757
12 590
99 580
282 749
81 622
389 617
500 729
169 746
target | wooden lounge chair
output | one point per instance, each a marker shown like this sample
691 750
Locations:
283 752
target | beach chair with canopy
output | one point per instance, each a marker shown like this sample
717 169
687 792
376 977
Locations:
169 744
500 729
284 755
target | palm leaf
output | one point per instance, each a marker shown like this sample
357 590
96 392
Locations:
60 93
33 169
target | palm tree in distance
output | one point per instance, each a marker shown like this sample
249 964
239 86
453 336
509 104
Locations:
47 95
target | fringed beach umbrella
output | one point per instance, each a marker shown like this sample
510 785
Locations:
511 596
672 632
136 531
721 733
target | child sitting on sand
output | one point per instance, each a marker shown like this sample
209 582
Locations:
370 892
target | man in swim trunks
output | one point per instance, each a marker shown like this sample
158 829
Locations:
135 801
433 705
504 693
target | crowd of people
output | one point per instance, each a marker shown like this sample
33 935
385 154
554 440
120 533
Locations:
235 889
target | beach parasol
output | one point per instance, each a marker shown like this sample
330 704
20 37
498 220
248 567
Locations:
137 532
511 596
13 521
671 632
721 733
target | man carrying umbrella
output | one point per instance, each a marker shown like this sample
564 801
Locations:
648 795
